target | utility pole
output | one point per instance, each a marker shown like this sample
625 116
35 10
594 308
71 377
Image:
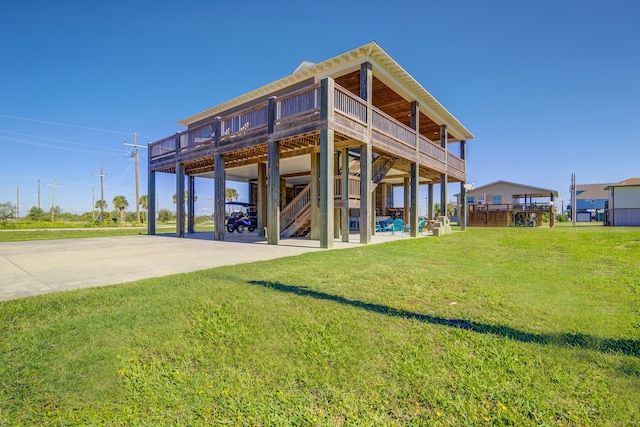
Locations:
102 201
135 158
53 196
38 194
17 202
93 203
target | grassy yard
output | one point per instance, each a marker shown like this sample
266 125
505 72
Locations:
488 327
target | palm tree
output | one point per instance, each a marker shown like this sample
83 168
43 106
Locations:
186 197
231 194
144 203
120 203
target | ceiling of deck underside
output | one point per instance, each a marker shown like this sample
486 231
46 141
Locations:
392 104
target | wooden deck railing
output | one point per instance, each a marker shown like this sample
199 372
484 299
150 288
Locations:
354 187
301 102
529 207
304 105
163 147
243 121
350 105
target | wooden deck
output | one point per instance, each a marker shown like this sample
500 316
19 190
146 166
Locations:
296 125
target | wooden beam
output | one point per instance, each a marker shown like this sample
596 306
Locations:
273 178
443 178
262 198
315 196
327 149
180 199
413 217
366 160
219 196
151 202
326 189
273 201
191 204
345 195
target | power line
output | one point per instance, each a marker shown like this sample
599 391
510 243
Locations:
68 125
55 140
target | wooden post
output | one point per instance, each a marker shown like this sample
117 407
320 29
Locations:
552 213
326 188
219 196
326 164
262 198
406 189
179 199
412 218
444 177
415 179
462 211
273 178
366 156
314 196
430 201
151 203
191 204
345 195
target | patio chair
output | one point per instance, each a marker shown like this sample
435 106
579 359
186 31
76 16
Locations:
396 225
421 225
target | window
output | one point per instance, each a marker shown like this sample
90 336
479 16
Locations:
496 200
471 200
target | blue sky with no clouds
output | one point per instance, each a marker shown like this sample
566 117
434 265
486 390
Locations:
548 88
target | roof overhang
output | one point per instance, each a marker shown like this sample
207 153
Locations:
384 68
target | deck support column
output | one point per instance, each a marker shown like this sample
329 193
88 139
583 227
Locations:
336 211
191 204
151 205
273 178
180 199
366 156
345 195
430 201
262 198
412 218
219 196
415 179
327 193
444 177
552 213
406 189
326 188
315 196
462 210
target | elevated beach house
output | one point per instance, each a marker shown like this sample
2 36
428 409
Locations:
509 204
321 148
623 205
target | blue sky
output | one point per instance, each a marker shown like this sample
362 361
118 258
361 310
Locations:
548 88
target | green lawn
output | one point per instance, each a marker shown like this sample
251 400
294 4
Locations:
488 327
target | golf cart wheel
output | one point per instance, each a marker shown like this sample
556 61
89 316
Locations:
240 228
230 229
252 228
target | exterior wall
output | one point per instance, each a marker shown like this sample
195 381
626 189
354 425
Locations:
624 206
505 190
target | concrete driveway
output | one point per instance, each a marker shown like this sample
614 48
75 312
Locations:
37 267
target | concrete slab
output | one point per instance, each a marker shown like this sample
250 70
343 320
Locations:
37 267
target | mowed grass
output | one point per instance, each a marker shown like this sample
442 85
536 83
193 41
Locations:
488 327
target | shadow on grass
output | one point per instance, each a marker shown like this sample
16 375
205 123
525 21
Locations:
605 345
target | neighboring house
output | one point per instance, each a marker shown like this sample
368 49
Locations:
590 202
623 206
505 204
318 147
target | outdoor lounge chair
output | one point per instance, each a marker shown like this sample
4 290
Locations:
396 225
421 224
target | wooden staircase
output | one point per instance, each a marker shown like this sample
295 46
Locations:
295 218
